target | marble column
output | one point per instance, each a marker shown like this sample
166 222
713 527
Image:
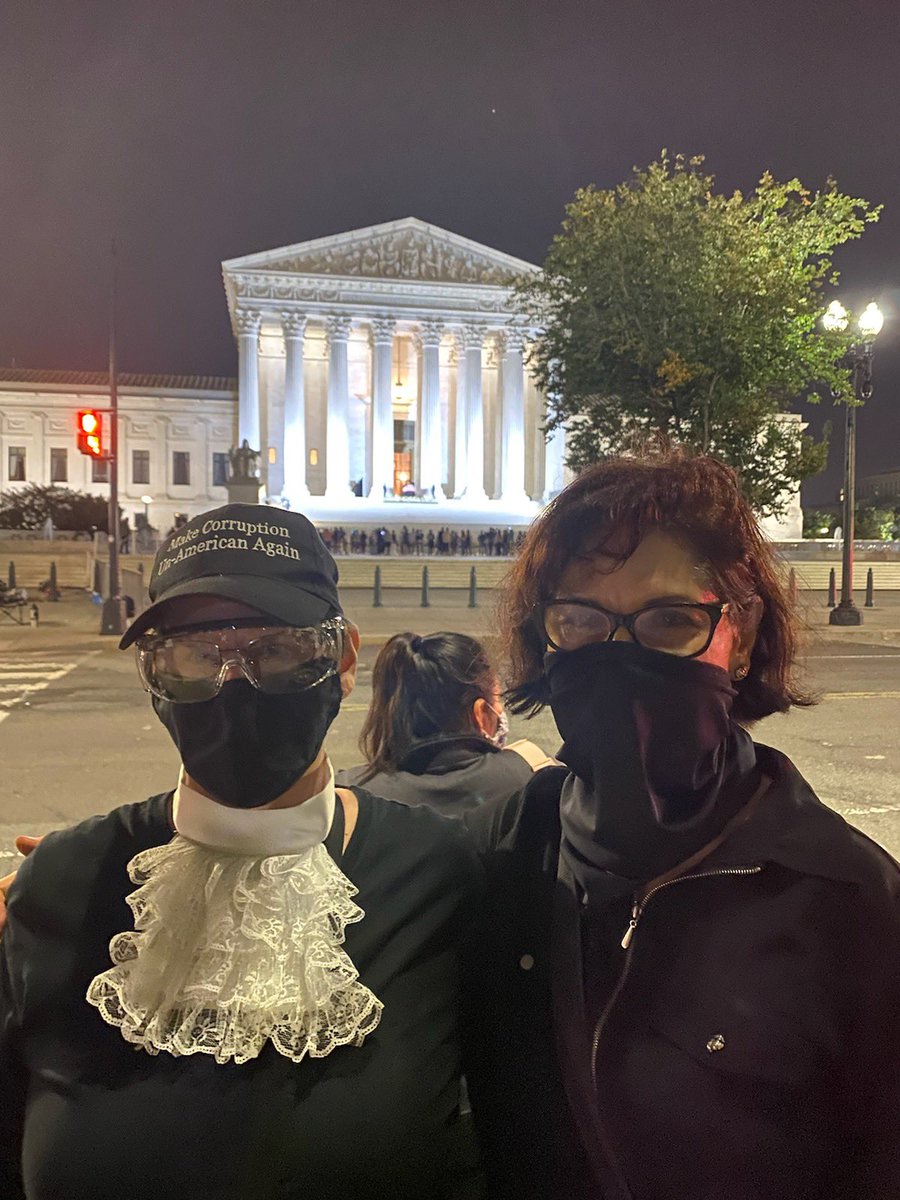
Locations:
456 421
459 431
247 321
337 448
428 433
554 463
512 469
294 326
472 343
554 455
381 334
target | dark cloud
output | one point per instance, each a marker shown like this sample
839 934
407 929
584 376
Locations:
200 131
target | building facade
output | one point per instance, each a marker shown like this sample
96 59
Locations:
386 366
174 435
382 377
885 485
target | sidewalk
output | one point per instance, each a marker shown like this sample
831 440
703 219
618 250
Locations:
879 624
74 622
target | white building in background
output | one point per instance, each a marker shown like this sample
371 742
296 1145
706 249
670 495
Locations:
385 360
174 435
372 364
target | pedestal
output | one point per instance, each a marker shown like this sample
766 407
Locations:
244 491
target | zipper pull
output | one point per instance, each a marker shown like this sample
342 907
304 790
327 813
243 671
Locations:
632 926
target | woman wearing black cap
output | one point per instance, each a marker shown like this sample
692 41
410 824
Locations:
435 732
248 986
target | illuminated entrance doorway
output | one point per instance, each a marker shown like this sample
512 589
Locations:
404 457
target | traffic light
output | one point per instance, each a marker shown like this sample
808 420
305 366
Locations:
90 433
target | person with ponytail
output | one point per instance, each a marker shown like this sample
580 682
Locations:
435 733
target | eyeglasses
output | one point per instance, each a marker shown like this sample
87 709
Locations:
683 629
188 667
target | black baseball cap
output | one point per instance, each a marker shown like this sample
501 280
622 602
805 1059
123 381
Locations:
266 557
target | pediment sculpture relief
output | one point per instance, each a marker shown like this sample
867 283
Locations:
404 255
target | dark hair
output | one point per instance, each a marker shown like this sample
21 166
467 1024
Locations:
422 687
609 509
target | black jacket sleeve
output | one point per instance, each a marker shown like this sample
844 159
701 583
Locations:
12 1078
870 1088
492 824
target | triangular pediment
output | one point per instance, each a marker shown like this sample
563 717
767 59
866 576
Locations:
407 249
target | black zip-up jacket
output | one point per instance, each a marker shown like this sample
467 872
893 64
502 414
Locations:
451 774
749 1042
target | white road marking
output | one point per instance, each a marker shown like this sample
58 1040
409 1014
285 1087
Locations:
869 810
861 695
15 673
34 664
843 657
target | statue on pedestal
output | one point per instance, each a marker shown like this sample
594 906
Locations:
243 463
242 477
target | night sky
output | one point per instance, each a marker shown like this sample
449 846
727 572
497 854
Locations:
194 131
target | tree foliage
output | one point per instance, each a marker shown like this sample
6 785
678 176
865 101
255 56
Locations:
668 308
29 507
877 520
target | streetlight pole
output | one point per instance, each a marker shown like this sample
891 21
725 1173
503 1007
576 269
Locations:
860 357
111 616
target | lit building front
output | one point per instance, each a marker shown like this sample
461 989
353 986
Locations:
175 432
385 368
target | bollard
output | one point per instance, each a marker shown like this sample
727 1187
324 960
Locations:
473 589
870 588
376 590
832 588
12 574
793 586
54 590
426 602
97 589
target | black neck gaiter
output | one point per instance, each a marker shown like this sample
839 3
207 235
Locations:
658 767
247 747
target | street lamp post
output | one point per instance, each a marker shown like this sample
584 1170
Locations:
860 358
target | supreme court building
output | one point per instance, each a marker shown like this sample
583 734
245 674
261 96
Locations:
381 377
383 369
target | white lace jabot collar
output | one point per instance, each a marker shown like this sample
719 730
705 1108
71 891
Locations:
259 832
239 922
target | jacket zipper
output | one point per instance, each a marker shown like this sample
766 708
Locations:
637 912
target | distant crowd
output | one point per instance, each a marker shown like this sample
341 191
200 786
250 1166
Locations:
488 543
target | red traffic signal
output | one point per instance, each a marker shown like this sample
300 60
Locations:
90 433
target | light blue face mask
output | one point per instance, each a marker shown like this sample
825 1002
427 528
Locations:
501 734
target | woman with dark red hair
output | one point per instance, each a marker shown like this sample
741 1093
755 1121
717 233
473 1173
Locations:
687 986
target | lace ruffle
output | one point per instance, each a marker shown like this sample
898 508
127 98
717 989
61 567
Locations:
229 952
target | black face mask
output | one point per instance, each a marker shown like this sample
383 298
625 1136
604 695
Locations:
658 766
247 747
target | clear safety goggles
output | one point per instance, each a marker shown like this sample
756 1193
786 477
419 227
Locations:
190 665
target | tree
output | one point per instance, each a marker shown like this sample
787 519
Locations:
667 308
877 520
819 523
30 506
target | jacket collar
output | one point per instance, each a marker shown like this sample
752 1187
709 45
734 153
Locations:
440 756
789 826
792 827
